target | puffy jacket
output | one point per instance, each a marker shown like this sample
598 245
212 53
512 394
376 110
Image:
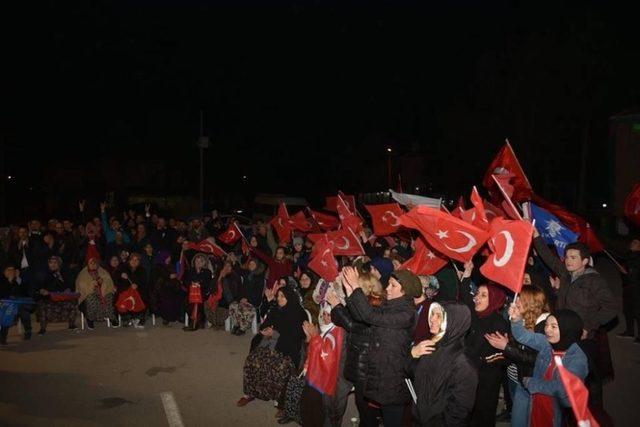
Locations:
358 341
392 330
588 294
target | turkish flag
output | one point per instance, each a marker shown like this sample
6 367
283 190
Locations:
207 246
323 362
447 234
325 221
129 301
323 261
231 235
299 222
477 215
632 205
425 260
281 224
385 218
332 201
92 251
347 218
578 395
574 222
507 205
493 211
509 243
345 242
506 164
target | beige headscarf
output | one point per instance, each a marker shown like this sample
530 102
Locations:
87 280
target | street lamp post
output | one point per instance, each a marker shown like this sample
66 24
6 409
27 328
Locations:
202 144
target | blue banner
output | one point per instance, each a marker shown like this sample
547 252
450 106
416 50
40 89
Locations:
552 230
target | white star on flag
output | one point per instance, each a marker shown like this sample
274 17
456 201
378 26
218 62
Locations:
431 255
443 234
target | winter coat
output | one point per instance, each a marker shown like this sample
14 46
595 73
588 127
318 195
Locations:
588 294
445 381
358 343
574 360
392 328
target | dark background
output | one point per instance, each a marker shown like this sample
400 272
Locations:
304 97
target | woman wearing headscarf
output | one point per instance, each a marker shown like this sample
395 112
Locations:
445 379
392 326
308 281
167 293
96 293
563 330
275 358
486 318
133 276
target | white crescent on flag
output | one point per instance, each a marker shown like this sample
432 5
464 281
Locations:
395 222
346 244
466 248
332 340
232 234
508 250
133 302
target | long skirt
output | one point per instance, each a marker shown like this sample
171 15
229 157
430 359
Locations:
96 310
169 304
242 315
266 373
61 311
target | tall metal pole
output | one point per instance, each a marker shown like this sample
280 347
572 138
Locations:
203 142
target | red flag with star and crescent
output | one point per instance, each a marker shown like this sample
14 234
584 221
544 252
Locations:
323 361
447 234
347 218
425 260
207 246
578 395
323 262
231 235
281 224
342 242
385 218
506 164
477 215
299 221
632 205
325 221
509 243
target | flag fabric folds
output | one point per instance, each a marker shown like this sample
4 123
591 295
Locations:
552 230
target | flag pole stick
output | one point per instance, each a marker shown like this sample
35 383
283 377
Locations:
620 267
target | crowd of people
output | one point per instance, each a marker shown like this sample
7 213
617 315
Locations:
413 349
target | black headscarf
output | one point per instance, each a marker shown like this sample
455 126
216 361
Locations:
432 371
288 321
570 325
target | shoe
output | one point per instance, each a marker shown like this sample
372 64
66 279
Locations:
626 334
90 325
285 420
114 323
42 331
27 336
280 414
137 324
189 329
244 400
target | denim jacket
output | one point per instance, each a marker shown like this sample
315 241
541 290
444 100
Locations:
574 360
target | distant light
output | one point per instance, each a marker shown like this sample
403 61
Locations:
604 205
244 176
388 149
417 188
9 177
239 211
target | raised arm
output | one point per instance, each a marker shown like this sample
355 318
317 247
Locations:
552 261
378 316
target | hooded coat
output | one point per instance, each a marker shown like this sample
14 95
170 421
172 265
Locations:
446 380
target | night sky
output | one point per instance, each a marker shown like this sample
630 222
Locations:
304 97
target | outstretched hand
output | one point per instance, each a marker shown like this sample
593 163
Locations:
497 340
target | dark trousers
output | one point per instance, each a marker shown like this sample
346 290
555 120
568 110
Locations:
484 410
368 414
392 415
630 310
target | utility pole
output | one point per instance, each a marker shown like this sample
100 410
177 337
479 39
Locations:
202 144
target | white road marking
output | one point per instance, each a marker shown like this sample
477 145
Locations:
171 409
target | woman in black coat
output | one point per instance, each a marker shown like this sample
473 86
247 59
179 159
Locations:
358 343
486 319
392 328
445 378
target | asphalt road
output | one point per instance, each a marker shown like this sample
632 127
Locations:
117 377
